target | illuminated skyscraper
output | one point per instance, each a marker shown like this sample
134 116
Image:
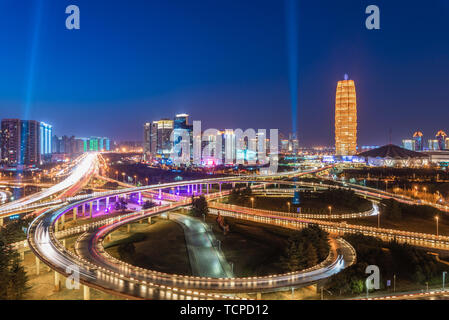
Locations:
417 137
345 118
441 137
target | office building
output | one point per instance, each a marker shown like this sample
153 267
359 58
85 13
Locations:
345 118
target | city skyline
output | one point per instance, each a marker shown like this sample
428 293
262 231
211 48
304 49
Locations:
134 63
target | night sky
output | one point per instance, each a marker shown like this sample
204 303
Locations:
228 63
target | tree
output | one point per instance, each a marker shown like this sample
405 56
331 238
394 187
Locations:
311 258
199 207
292 260
13 278
148 204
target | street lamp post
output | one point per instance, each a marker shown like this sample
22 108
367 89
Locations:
437 218
378 219
288 204
444 277
330 212
252 202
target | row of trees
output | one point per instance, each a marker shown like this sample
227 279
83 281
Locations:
392 258
305 249
13 278
240 197
339 197
394 211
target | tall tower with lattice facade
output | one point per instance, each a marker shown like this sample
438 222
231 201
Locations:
345 118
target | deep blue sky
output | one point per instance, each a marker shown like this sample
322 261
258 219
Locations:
226 63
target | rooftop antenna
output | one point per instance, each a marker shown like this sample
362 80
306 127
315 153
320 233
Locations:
346 76
389 136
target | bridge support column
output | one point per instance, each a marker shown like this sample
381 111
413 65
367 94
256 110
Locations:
75 213
110 237
128 227
22 255
56 225
83 206
86 291
91 204
207 188
116 198
62 220
160 193
219 186
57 282
38 263
107 202
98 205
201 188
149 220
258 296
1 222
233 185
140 197
188 188
63 243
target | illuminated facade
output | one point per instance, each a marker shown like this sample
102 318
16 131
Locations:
345 118
441 137
417 137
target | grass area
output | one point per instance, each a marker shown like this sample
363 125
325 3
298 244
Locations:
254 249
311 206
413 224
160 246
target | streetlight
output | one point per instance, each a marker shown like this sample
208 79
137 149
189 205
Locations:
252 202
123 174
444 278
330 211
437 218
288 204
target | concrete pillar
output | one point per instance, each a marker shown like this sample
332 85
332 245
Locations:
1 222
56 225
91 204
110 237
107 202
219 186
201 188
62 220
149 220
188 188
57 282
233 185
75 213
140 197
84 209
160 193
98 205
38 263
22 255
207 188
116 198
64 243
128 227
258 296
86 290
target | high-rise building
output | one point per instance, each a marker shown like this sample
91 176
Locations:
345 118
30 142
418 138
150 139
441 137
434 144
46 136
409 144
10 143
164 130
